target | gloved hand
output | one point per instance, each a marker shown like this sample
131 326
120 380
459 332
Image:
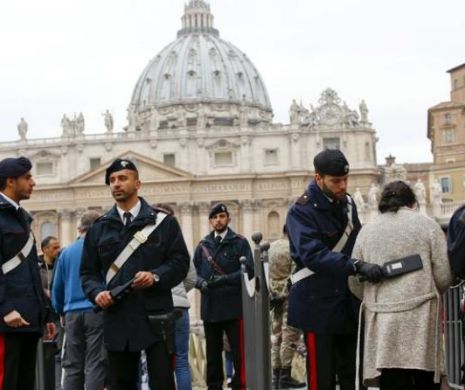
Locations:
373 273
217 281
204 287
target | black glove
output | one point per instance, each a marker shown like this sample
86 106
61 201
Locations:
217 281
204 287
373 273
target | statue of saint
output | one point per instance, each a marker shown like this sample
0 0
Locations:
294 113
373 195
420 191
436 192
363 112
66 125
108 120
358 199
80 124
22 129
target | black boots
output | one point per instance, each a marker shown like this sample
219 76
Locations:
286 381
275 378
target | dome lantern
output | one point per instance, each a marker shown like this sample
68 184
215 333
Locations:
197 18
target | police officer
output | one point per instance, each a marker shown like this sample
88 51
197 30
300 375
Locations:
284 338
22 301
322 226
216 260
157 259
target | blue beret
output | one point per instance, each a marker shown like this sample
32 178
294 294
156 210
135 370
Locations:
216 209
118 165
331 162
14 167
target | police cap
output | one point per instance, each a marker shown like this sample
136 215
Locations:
14 167
118 165
216 209
331 162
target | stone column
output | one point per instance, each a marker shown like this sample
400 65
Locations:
294 150
247 208
204 224
66 228
186 225
246 159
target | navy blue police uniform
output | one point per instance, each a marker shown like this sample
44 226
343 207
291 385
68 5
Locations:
219 279
127 329
20 290
321 304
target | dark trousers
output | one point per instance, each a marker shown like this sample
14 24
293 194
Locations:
84 358
400 379
124 368
328 355
214 340
17 360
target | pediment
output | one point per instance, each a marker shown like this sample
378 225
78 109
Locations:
222 144
149 170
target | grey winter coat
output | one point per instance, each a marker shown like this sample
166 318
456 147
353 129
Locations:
403 326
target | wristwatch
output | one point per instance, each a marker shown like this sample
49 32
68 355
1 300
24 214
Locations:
156 278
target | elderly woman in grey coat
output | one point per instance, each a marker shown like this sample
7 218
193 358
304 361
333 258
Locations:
403 344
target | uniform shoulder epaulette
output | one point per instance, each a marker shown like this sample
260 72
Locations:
100 218
163 210
303 199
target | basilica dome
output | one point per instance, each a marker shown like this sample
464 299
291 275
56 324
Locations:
199 68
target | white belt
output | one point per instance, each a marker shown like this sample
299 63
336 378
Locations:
20 257
139 238
301 274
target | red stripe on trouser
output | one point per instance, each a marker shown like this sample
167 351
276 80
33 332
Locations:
241 349
2 360
311 356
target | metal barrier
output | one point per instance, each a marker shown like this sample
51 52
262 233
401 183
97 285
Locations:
453 333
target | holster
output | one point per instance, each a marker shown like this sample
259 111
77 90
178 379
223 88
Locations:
163 327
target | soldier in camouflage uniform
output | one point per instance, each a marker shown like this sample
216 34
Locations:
284 338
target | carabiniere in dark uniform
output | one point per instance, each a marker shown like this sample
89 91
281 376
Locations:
165 252
145 256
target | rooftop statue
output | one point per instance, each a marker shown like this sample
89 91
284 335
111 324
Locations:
373 196
22 129
358 199
66 126
294 113
79 124
108 120
363 112
420 191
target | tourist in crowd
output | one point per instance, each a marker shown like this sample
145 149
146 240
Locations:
403 344
83 360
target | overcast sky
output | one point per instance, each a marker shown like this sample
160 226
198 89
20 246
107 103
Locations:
68 56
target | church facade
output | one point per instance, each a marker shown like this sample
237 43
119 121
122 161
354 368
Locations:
200 131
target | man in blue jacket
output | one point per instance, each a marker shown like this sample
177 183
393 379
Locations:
23 309
216 260
83 361
322 225
136 244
